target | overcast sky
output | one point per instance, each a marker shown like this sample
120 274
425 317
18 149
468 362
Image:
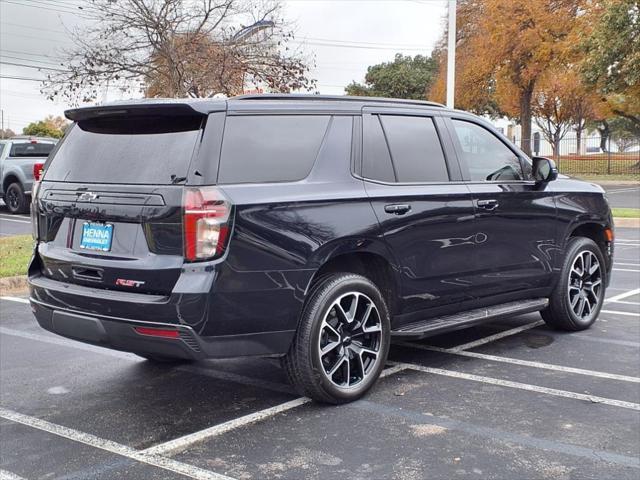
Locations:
361 33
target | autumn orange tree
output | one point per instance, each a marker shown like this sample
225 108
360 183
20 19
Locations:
504 50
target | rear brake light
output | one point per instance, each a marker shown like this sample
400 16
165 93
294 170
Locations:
206 223
38 169
157 332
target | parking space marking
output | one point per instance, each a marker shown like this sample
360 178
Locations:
4 475
15 299
624 302
524 363
617 312
521 386
179 444
112 447
627 263
493 433
622 296
14 220
497 336
612 341
624 270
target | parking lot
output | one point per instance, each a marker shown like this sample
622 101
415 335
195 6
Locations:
511 399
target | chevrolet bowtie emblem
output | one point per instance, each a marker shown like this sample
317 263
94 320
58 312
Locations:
87 197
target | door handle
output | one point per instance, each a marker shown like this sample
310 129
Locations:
397 209
487 204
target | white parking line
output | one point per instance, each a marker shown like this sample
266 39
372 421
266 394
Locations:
4 219
4 475
620 190
179 444
525 363
616 312
624 302
624 270
112 447
622 296
627 264
15 299
497 336
522 386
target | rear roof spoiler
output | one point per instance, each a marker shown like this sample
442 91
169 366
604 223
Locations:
171 108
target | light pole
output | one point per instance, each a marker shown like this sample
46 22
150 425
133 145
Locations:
451 55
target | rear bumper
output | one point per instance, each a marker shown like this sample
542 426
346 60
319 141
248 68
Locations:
104 326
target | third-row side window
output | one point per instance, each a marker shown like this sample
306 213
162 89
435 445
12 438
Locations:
403 149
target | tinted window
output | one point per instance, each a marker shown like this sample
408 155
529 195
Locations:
270 148
415 149
376 163
28 149
136 150
486 157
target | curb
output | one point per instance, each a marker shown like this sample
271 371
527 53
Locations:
13 284
626 222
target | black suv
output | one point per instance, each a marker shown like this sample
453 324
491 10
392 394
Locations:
309 228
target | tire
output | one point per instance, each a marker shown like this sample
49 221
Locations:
578 296
161 360
15 199
339 350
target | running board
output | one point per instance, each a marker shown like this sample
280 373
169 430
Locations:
435 326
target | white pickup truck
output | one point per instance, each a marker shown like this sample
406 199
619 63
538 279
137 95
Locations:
21 162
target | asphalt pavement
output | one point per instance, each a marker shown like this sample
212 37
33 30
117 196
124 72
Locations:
512 399
623 196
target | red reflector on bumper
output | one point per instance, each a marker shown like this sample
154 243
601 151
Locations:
157 332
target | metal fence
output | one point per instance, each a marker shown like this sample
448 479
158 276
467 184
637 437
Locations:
591 155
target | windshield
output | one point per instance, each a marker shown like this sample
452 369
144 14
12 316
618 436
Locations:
133 150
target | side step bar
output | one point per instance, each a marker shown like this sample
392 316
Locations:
435 326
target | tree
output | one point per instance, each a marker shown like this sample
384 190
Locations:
507 48
624 132
404 77
612 61
7 133
553 108
179 48
49 127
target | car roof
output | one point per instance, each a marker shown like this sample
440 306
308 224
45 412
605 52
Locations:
189 106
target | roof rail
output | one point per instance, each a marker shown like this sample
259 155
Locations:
339 98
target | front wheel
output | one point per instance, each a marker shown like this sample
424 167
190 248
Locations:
342 341
579 294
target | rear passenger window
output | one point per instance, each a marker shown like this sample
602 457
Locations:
404 149
270 148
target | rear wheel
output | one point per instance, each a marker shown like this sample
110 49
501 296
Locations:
579 294
342 341
16 199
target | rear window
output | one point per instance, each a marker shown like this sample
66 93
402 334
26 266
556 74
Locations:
133 150
28 149
270 148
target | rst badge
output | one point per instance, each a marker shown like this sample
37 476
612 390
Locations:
123 282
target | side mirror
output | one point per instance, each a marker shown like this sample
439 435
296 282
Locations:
544 170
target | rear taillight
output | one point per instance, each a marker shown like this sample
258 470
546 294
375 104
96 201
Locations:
38 169
206 223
